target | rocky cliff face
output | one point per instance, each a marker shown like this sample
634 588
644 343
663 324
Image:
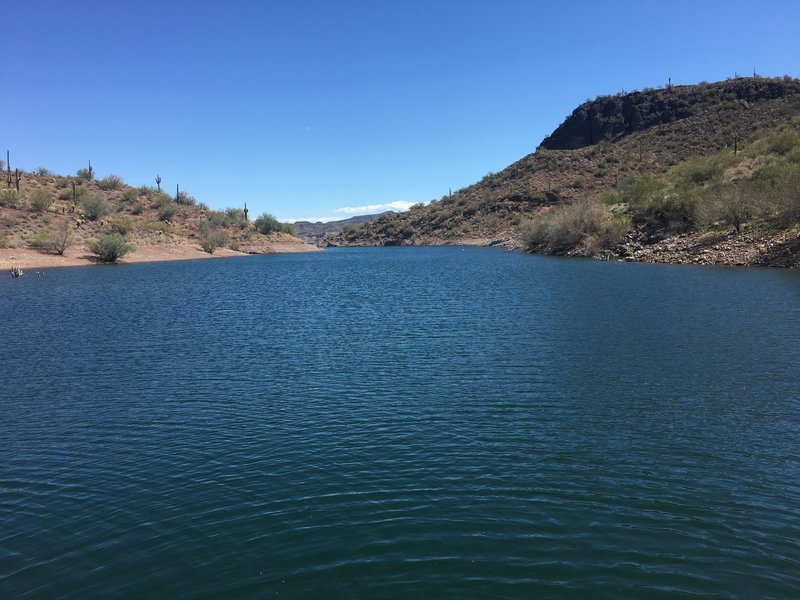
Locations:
610 117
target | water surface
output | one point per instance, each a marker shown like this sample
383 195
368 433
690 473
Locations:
400 423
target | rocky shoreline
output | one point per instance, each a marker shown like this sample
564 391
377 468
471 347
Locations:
780 250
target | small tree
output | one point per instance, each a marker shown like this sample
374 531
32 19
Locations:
266 224
55 240
731 205
110 247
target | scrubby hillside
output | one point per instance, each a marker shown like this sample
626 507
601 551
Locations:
601 153
60 215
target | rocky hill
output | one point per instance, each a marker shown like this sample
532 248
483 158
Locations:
51 220
603 147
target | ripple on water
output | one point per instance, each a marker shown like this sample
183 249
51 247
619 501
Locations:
400 422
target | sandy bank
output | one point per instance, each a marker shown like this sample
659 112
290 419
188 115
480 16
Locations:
29 259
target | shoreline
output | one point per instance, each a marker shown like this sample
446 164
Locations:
29 259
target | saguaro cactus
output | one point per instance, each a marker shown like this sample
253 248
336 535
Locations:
91 171
16 178
158 182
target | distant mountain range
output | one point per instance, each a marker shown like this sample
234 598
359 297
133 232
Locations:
313 233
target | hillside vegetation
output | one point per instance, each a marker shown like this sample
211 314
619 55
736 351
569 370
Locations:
108 218
626 173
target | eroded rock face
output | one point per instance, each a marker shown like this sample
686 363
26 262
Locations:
610 117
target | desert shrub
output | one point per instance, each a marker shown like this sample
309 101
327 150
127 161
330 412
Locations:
156 226
212 237
217 218
130 194
266 224
584 223
701 170
84 174
43 172
672 213
160 200
8 197
41 201
185 199
55 240
783 141
147 191
94 206
137 208
110 247
65 194
111 182
653 205
730 205
121 224
784 196
236 216
167 211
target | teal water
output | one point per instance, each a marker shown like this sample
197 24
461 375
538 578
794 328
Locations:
400 423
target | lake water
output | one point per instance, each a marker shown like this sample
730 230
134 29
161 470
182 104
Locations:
400 423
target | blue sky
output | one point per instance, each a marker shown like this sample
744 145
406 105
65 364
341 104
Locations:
308 109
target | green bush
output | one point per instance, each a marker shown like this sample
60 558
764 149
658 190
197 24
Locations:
112 182
167 211
94 206
121 224
156 226
43 172
185 199
8 197
656 207
266 224
84 174
65 193
701 170
110 247
147 191
236 216
784 141
41 201
212 237
585 224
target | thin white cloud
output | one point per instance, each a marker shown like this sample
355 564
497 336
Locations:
370 209
347 211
